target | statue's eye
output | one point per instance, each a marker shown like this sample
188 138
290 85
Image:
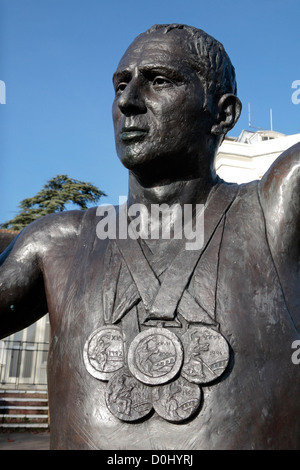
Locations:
160 81
120 87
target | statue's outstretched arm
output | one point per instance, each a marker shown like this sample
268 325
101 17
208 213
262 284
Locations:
22 296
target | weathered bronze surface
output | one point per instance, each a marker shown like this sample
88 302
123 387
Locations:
232 304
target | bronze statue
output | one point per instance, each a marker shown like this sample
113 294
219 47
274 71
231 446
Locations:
153 345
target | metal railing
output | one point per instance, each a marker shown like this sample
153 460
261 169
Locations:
23 363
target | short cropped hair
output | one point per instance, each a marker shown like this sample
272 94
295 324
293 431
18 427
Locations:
208 57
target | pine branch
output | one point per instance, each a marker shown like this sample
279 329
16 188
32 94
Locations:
55 195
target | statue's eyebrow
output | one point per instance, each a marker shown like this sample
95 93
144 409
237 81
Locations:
170 72
121 75
148 69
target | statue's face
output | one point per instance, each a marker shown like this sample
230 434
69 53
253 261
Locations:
158 108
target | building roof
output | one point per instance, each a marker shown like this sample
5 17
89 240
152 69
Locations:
248 136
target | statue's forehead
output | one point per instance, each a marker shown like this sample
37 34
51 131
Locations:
154 48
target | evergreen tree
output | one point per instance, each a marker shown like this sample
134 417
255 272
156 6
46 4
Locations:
53 197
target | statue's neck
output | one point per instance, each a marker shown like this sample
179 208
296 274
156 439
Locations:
173 200
192 191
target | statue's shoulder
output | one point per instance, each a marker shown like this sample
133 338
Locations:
279 194
279 189
50 230
50 234
59 224
279 185
284 171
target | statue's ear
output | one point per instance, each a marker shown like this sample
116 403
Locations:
229 110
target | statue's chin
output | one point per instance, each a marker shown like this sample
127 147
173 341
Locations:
137 162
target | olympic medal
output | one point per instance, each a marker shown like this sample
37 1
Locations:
206 354
103 352
127 398
155 356
176 401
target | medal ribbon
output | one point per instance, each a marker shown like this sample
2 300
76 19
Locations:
161 300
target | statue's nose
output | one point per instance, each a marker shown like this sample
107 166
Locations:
131 101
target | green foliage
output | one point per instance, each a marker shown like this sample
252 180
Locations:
53 197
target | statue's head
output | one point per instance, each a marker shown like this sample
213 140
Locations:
175 101
208 57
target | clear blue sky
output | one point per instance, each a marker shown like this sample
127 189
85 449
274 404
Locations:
57 58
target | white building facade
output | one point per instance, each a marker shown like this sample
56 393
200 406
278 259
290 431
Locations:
248 157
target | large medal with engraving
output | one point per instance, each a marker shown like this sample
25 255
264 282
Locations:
127 398
206 354
103 353
176 401
155 356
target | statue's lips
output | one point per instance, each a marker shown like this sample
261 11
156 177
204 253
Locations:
128 134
